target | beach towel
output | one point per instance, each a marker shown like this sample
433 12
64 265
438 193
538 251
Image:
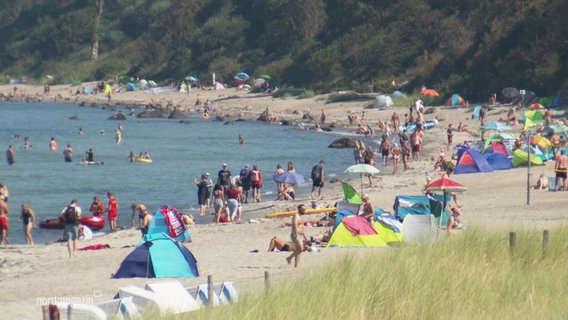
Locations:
358 226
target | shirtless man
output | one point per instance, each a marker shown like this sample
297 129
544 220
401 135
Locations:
561 168
297 231
141 210
145 220
4 223
555 141
395 119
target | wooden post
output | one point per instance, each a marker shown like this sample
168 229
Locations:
210 291
545 235
266 283
512 242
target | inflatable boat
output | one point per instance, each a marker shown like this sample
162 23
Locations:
143 160
93 222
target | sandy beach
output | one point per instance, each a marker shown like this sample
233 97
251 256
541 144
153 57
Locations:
36 275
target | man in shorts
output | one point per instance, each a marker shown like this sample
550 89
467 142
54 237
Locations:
71 215
561 168
317 179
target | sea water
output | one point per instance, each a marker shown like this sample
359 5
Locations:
180 152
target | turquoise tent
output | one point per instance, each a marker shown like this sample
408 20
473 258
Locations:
167 220
159 256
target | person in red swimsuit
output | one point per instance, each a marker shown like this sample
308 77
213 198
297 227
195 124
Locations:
4 223
112 210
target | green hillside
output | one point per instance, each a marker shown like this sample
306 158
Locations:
474 47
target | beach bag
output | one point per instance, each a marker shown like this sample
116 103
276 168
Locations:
70 214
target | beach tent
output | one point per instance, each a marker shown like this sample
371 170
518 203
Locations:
476 112
158 256
498 161
131 87
419 228
355 231
520 158
421 205
350 194
455 100
219 86
167 220
383 101
471 161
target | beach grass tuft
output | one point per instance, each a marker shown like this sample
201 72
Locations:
473 276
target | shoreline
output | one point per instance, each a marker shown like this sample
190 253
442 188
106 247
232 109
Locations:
237 252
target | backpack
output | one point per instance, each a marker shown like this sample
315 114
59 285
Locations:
254 176
316 172
70 214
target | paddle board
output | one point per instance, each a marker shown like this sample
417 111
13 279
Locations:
291 213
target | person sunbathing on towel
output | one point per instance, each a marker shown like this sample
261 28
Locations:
277 243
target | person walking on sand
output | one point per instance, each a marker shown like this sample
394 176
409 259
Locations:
4 209
71 215
224 178
317 179
112 211
256 182
561 168
10 155
297 232
28 219
68 153
202 193
244 177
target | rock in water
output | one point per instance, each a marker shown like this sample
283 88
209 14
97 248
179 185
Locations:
342 143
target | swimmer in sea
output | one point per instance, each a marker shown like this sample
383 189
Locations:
241 139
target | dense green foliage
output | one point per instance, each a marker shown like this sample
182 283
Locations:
474 47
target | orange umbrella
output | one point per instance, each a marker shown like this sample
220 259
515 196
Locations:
429 93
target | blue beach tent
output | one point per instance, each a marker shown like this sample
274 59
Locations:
159 256
471 161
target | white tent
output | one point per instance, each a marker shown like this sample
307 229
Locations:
383 101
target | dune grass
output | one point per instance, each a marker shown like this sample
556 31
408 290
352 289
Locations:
472 276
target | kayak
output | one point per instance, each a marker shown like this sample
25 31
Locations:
93 222
291 213
143 160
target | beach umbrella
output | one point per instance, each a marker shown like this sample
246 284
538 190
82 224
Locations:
536 106
510 92
495 125
445 185
429 93
265 76
289 178
242 76
362 168
191 78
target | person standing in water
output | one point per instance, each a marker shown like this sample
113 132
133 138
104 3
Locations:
53 145
68 153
